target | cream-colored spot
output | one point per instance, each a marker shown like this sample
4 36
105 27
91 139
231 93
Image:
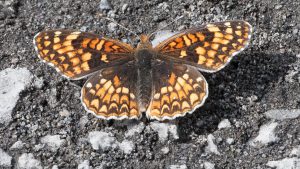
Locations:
71 37
183 54
225 42
177 87
47 43
185 76
95 103
217 40
100 44
75 61
229 36
193 98
103 109
71 54
125 90
215 46
111 90
57 46
132 96
86 56
170 88
199 79
156 96
240 40
224 49
211 53
56 40
119 90
163 90
181 81
229 30
107 85
52 56
213 29
57 32
219 35
104 58
239 33
187 40
239 27
45 51
185 105
209 62
200 50
67 43
85 66
227 23
89 85
202 59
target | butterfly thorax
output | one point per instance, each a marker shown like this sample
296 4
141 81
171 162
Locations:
144 59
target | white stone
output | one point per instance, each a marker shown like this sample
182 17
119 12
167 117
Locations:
27 161
104 4
224 124
134 129
102 140
12 82
208 165
282 114
5 159
165 150
84 165
266 135
17 145
163 130
126 146
296 151
286 163
178 166
52 141
211 147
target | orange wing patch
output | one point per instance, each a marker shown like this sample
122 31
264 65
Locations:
112 93
209 48
76 54
177 92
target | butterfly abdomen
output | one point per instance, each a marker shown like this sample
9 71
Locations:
144 64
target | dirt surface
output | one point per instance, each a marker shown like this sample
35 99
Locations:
263 77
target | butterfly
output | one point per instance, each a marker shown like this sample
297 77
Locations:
163 81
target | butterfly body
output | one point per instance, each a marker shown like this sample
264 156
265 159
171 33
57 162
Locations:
163 81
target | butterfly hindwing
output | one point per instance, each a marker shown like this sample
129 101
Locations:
77 54
111 93
177 89
209 48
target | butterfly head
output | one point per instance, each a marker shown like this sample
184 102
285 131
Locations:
145 42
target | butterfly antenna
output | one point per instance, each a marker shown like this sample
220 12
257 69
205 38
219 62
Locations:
112 20
167 25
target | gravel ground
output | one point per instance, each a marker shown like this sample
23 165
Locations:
250 120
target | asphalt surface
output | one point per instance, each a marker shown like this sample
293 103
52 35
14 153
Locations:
263 77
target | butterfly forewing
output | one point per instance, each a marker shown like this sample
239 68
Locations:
77 54
178 89
209 48
112 94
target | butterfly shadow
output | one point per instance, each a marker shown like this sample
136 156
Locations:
248 75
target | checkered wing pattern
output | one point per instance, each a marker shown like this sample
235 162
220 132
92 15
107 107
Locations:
210 47
77 54
111 93
178 89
